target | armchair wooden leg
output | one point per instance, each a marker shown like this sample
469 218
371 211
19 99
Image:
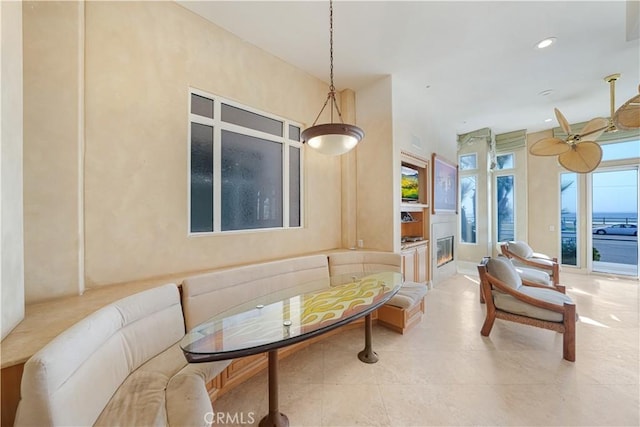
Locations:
481 296
488 324
569 336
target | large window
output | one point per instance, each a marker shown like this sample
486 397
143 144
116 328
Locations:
244 168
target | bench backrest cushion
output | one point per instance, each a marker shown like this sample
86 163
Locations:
363 262
71 379
205 295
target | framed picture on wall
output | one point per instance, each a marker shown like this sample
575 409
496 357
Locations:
444 186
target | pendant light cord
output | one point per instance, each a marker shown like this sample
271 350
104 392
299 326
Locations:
332 88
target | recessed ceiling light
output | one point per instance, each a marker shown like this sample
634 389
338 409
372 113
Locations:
546 92
547 120
545 42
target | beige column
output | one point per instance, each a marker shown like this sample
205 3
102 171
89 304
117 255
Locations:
349 178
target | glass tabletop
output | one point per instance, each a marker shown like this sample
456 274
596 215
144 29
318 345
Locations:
289 316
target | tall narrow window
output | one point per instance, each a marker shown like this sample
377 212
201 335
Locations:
245 170
468 209
505 207
569 218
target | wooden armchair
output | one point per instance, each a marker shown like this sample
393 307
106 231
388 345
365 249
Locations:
523 255
507 298
533 277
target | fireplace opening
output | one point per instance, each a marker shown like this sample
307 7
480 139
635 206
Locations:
444 250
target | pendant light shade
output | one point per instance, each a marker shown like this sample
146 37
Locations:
332 138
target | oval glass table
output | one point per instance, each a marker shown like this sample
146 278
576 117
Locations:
289 316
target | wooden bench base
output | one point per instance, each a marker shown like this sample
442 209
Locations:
399 319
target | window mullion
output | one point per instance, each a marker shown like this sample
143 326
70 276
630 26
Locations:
217 169
285 183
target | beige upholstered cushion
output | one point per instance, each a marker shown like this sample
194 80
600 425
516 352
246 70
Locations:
205 295
71 379
502 269
363 262
188 402
140 400
537 255
409 295
520 248
534 275
187 398
513 305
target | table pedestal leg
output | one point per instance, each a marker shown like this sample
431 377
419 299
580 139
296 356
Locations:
275 418
367 355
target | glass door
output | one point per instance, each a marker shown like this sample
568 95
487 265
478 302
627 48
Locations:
614 220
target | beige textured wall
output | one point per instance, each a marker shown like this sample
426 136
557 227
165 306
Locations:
141 58
11 211
543 200
50 148
375 168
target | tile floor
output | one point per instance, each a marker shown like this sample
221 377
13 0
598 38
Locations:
443 372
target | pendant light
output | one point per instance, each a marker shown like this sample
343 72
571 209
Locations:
332 138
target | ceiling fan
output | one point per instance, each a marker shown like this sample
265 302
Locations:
628 115
578 152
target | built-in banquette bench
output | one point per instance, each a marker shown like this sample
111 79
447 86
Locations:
124 359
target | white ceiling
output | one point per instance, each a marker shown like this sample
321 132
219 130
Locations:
465 65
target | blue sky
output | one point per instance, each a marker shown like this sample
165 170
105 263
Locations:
613 191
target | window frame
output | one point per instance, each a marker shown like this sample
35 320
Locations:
472 154
218 126
504 154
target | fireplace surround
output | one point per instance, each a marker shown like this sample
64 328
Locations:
443 236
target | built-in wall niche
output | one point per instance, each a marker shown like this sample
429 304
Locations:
412 226
414 188
414 205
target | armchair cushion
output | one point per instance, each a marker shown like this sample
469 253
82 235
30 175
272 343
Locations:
534 275
502 269
520 248
539 256
513 305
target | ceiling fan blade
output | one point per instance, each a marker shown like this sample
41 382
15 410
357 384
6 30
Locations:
628 115
564 124
582 158
549 147
594 129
